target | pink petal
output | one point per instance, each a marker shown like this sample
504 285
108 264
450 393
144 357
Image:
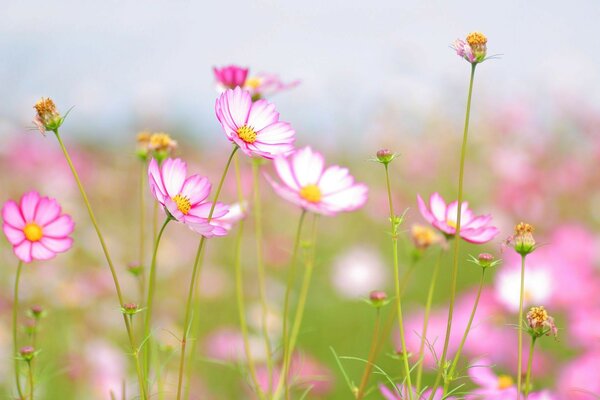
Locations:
203 228
47 211
438 206
171 206
478 222
348 199
481 373
202 210
285 172
15 236
233 107
286 193
452 212
155 182
262 114
59 228
276 133
11 214
335 179
481 235
173 175
196 188
307 166
29 203
23 251
57 245
40 252
270 150
425 211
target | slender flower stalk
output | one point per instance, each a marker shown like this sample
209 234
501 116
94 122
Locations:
371 358
529 364
464 338
143 178
134 349
395 223
148 343
261 267
31 381
442 362
430 292
14 329
195 270
521 328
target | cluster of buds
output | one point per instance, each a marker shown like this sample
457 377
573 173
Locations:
485 260
157 145
473 49
540 323
47 118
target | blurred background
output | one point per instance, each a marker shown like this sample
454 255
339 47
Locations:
372 76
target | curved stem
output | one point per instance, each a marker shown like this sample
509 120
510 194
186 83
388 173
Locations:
14 329
464 338
395 224
110 264
529 364
430 292
463 151
190 296
520 350
286 304
261 270
150 304
371 359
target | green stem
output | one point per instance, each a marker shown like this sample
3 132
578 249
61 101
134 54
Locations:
520 350
286 304
150 303
113 272
261 270
529 364
371 359
142 275
463 151
190 296
464 338
31 384
430 292
398 296
14 329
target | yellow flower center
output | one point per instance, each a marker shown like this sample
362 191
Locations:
476 38
183 204
33 232
247 134
253 82
451 223
311 193
538 315
504 382
522 228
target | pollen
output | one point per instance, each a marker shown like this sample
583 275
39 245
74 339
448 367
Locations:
311 193
45 108
476 39
504 382
523 228
33 232
537 315
247 134
183 204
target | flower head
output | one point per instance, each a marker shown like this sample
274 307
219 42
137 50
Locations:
36 228
474 229
230 77
47 118
491 386
540 323
473 49
308 184
185 199
158 145
423 236
254 126
523 241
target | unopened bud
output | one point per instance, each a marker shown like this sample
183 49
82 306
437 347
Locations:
385 156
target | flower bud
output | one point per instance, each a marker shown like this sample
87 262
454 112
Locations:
27 353
378 298
523 241
478 43
135 269
385 156
36 311
540 323
485 259
47 117
130 308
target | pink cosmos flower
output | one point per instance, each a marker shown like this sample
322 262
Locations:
307 183
474 229
36 228
186 198
254 126
389 394
230 77
491 386
263 85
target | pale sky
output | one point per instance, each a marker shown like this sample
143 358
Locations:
127 65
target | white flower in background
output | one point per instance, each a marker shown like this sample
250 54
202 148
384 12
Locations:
357 272
538 286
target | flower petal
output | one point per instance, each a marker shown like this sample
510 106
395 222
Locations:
429 217
59 228
23 251
349 199
262 114
40 252
57 245
155 182
29 203
173 175
196 188
307 166
15 236
438 206
47 211
334 179
11 214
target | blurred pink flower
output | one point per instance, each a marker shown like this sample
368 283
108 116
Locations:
106 366
264 85
578 380
227 344
491 386
36 228
185 198
230 77
253 126
389 394
311 186
474 229
358 271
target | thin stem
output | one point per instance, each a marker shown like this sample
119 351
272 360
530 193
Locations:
188 306
143 177
463 151
30 368
464 338
109 261
14 327
529 364
150 303
520 350
431 291
394 224
286 302
261 269
371 359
